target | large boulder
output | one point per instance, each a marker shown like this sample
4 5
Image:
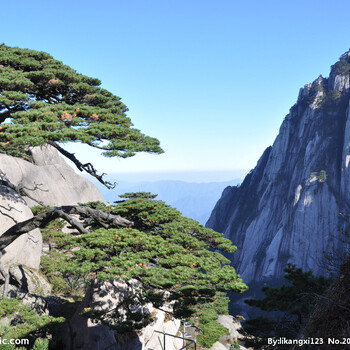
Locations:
56 182
107 296
29 280
53 182
25 250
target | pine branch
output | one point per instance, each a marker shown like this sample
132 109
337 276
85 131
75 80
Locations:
88 167
64 212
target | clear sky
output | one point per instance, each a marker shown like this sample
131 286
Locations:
212 80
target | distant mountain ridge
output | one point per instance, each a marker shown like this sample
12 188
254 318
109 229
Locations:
194 200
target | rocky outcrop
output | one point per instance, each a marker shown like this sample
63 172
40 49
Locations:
34 301
163 322
58 183
234 335
107 296
289 208
29 280
25 250
53 182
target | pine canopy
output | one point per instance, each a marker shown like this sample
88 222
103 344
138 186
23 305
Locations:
177 261
42 101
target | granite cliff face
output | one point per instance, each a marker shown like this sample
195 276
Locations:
289 208
59 185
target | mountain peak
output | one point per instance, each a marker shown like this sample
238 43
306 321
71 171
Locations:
287 209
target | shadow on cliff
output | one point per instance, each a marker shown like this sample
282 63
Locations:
82 332
8 199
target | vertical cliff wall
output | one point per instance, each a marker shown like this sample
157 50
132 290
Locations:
289 208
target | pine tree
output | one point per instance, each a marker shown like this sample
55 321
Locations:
43 101
176 260
295 300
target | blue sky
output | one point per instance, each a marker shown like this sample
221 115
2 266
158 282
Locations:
212 80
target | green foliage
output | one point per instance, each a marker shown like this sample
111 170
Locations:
342 66
43 100
53 231
41 344
23 323
262 328
53 266
148 195
176 259
53 262
334 95
205 318
172 256
307 100
235 346
321 175
296 300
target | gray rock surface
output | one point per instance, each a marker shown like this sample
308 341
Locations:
286 210
150 339
33 301
84 334
229 322
29 280
105 296
218 346
25 250
233 337
60 185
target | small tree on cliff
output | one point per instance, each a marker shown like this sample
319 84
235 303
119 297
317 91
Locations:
42 101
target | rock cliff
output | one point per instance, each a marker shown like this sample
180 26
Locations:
108 295
292 207
59 185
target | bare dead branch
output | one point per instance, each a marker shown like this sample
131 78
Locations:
88 167
100 216
71 221
64 212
